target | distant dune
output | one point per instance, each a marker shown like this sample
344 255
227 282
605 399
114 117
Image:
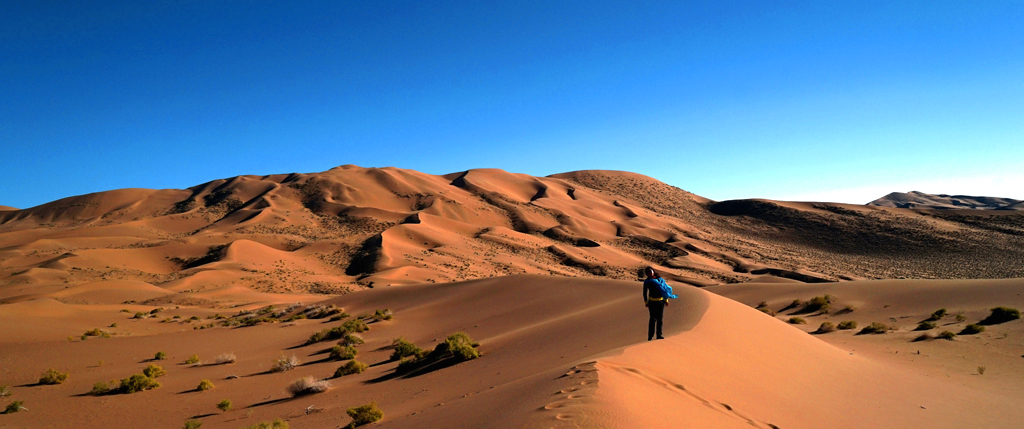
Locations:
4 208
540 271
921 200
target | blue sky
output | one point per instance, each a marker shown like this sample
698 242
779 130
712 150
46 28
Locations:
834 101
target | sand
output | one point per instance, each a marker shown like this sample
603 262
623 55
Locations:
541 271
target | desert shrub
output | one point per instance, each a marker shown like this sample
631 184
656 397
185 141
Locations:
1001 315
100 388
825 327
402 348
924 326
14 407
847 309
96 332
284 364
847 325
797 321
365 414
137 383
52 376
352 367
347 352
923 337
308 385
818 304
457 345
276 424
5 391
193 424
225 358
351 340
937 314
796 303
875 328
204 385
766 310
154 371
947 335
192 359
224 405
384 314
972 329
981 370
140 315
960 317
160 356
355 325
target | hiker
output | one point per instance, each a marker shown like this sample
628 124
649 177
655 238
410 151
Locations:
656 296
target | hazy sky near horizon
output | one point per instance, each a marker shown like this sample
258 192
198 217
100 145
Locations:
829 101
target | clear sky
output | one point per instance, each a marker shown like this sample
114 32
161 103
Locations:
818 100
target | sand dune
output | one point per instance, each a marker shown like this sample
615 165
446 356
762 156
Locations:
921 200
542 271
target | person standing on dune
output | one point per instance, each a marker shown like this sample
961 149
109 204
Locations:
656 295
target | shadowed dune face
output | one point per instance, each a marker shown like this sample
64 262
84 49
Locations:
351 227
921 200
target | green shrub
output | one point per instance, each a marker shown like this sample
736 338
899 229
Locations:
284 364
972 329
365 414
1001 315
960 317
137 383
140 315
192 359
351 340
160 356
14 407
797 321
193 424
355 326
766 310
308 385
276 424
154 371
96 332
204 385
924 326
224 405
342 353
384 314
825 327
938 314
847 325
947 335
352 367
818 304
52 376
100 388
796 303
457 345
875 328
402 348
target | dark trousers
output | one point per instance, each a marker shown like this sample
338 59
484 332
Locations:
657 310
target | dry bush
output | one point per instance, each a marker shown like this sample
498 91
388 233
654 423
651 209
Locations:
52 376
797 321
981 370
308 385
351 340
936 315
14 407
819 304
923 337
192 359
875 328
137 383
225 358
276 424
947 335
972 329
825 327
847 325
284 364
924 326
1001 315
